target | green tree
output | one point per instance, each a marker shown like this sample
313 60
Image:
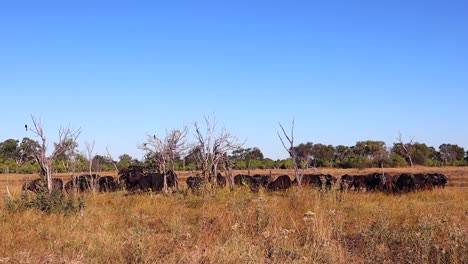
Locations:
9 149
248 155
398 161
422 154
125 161
304 153
342 152
370 149
102 163
400 151
27 149
323 155
65 158
193 159
451 153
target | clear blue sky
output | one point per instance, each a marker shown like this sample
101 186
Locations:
345 70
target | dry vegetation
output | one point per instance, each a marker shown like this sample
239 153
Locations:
239 227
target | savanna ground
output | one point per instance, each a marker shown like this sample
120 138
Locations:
299 225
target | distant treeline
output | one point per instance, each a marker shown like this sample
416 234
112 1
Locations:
16 157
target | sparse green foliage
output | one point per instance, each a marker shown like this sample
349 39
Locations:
54 202
451 154
397 161
9 149
369 148
20 159
125 161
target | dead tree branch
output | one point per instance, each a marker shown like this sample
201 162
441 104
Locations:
167 150
407 147
291 151
212 145
66 135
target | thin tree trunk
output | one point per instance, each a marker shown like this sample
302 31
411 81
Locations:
8 182
49 178
176 178
165 187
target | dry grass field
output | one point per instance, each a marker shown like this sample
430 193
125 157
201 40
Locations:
299 225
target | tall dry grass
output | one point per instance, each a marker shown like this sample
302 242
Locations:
300 225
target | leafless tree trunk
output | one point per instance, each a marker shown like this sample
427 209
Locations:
406 147
213 146
109 156
90 155
65 164
166 150
445 153
7 172
228 172
45 161
291 150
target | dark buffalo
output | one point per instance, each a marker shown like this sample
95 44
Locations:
329 181
242 179
129 177
195 182
388 184
313 180
83 182
379 182
317 180
221 180
346 182
438 180
257 181
134 179
357 182
39 185
155 182
375 182
86 182
442 180
281 183
69 185
422 182
107 184
126 183
404 182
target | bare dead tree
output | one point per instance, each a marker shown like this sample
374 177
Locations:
7 172
228 171
45 161
109 156
407 147
290 148
213 146
446 154
89 149
73 160
166 150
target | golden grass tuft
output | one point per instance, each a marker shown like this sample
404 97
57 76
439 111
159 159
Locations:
300 225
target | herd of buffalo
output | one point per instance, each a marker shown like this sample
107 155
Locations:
136 179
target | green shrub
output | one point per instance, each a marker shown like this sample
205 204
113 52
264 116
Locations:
29 167
8 165
54 202
360 162
398 161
